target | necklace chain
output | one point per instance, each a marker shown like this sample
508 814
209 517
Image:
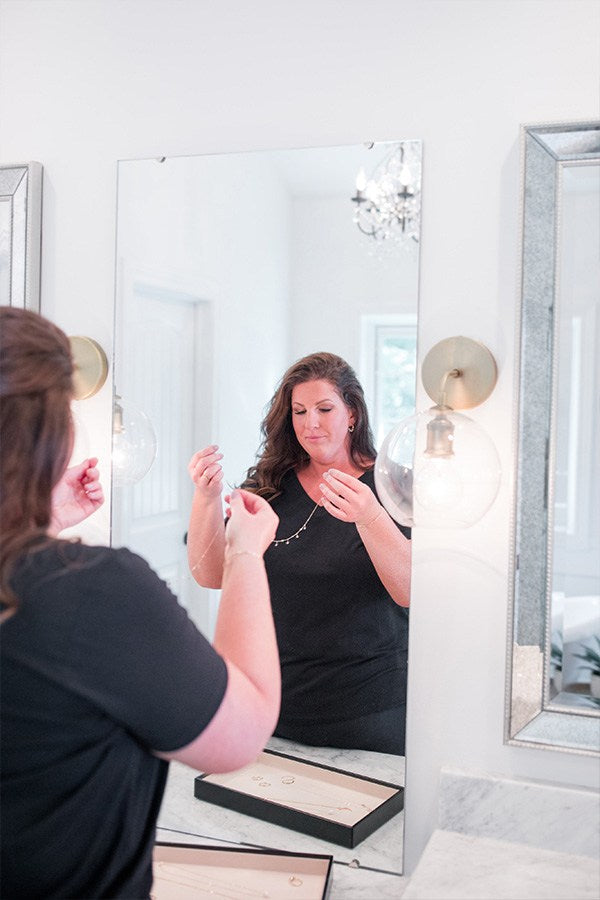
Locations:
296 534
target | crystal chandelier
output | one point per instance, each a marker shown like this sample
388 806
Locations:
388 204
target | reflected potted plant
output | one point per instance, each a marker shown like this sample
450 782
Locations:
556 660
591 656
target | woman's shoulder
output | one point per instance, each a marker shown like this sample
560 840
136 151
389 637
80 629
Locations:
81 561
368 476
289 481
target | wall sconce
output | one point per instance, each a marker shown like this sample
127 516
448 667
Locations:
133 443
90 367
133 437
439 468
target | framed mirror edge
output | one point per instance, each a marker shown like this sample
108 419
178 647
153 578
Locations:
283 148
517 741
21 232
540 725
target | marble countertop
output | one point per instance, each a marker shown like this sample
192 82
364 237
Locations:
467 867
372 868
460 862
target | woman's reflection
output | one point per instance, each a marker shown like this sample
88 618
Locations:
339 568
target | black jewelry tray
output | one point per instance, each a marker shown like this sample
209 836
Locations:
328 803
183 871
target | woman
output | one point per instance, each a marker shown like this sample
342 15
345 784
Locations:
339 568
104 677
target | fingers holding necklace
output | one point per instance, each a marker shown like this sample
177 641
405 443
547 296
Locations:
205 469
347 498
336 497
203 475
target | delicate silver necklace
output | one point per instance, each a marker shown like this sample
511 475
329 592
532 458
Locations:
296 534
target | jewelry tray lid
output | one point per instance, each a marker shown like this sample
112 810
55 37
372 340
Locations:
187 871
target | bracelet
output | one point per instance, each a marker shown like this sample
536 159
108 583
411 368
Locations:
371 521
229 556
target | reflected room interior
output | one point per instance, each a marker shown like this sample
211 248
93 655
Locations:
229 268
554 631
575 623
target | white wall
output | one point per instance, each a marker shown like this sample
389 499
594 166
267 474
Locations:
83 84
337 278
173 217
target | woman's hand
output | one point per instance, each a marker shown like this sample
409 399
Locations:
206 472
348 499
252 523
77 495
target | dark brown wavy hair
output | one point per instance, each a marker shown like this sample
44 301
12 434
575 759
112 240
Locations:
35 431
279 450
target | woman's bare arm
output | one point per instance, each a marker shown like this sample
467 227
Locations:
390 553
245 637
206 531
348 499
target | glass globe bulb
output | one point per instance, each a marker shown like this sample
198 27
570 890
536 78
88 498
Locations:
437 469
437 484
133 443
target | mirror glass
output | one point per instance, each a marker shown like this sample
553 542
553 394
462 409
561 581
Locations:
554 697
229 268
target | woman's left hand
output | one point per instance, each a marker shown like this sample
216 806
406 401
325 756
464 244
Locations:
77 495
348 499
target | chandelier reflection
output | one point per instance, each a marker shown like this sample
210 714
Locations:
388 204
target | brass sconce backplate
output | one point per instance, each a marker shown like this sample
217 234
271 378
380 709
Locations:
91 367
459 372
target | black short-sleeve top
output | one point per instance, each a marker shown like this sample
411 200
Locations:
342 639
99 665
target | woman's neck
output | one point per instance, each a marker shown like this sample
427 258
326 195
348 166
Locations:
315 470
310 476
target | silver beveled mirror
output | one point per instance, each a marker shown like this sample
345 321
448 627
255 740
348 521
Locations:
552 698
20 234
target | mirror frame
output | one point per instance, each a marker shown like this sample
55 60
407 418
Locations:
530 720
21 233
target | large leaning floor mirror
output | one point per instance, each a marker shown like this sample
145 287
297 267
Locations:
553 696
230 267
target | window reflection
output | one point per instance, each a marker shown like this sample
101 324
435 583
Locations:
388 370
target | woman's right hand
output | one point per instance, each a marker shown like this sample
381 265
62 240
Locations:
206 472
252 523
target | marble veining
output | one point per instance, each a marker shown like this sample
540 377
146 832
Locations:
538 814
465 867
383 766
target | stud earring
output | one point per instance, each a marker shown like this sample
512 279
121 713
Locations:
350 428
